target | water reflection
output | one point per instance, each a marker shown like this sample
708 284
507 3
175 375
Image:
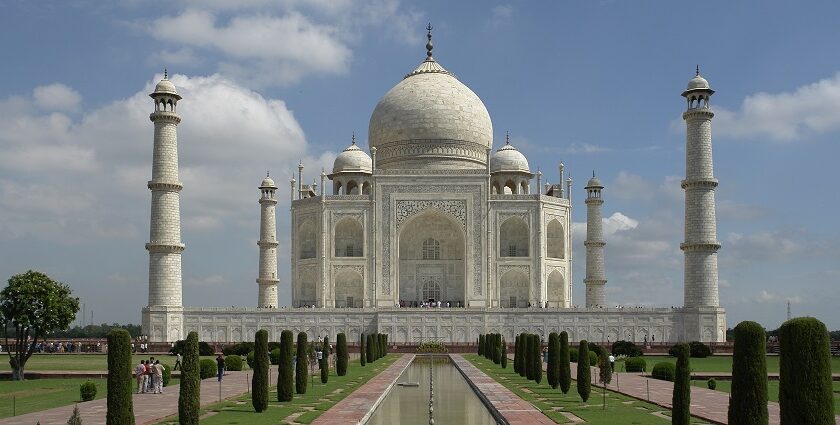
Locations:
454 400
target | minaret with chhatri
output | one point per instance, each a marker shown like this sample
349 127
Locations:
267 279
594 243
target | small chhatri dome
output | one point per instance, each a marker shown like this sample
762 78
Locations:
508 159
353 160
594 183
267 183
697 83
166 87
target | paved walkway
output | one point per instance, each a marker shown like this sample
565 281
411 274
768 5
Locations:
515 410
360 404
148 408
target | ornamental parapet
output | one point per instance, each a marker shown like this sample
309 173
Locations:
270 201
700 246
699 183
267 281
589 281
167 248
346 197
594 243
594 201
267 244
165 116
702 113
167 186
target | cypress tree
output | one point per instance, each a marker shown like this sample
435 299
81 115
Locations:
369 349
325 360
301 369
584 374
681 398
526 357
259 382
521 354
516 354
564 373
341 355
481 344
552 368
538 371
362 350
190 386
805 388
748 399
120 406
504 353
604 367
381 346
285 392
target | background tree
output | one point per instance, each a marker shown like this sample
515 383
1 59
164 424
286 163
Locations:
480 344
604 368
564 373
120 407
362 350
259 382
33 306
341 355
538 370
504 353
369 348
189 395
805 394
584 374
552 367
748 399
301 368
527 360
681 398
285 391
325 360
516 355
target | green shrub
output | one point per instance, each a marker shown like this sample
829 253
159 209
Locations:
584 374
520 355
120 406
362 350
285 392
325 360
748 400
274 355
625 348
75 418
249 359
516 356
664 371
712 384
697 350
87 391
204 349
302 366
259 382
431 347
167 375
369 348
805 387
233 363
564 373
240 348
341 355
681 398
552 368
635 364
190 389
206 368
604 368
537 354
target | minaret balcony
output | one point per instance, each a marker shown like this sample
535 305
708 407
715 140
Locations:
698 113
166 248
165 116
700 246
699 183
267 244
167 186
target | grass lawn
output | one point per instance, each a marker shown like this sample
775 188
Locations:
85 362
772 390
721 363
620 409
318 398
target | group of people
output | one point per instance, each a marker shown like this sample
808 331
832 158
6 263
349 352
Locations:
427 304
67 347
149 375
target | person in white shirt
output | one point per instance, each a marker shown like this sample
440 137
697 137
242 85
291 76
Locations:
612 363
140 373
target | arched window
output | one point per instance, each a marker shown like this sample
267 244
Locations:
431 290
352 188
306 238
555 240
431 249
336 187
366 188
349 240
514 238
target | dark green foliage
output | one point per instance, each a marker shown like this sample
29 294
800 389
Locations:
325 360
625 348
552 368
584 374
259 382
75 418
369 347
805 393
240 348
712 384
635 364
233 363
597 350
204 349
301 368
481 344
697 350
496 349
664 371
537 358
516 356
167 375
341 355
274 356
284 372
120 406
87 391
190 389
573 356
504 354
528 360
250 359
681 399
362 350
206 368
604 368
748 400
564 372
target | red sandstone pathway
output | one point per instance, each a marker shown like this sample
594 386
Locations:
515 410
148 408
357 407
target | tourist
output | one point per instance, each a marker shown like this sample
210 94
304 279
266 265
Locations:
157 378
220 365
147 377
139 373
612 363
177 361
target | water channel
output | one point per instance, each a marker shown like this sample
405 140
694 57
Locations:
454 401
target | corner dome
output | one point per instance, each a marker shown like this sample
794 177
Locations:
430 120
508 159
352 160
267 183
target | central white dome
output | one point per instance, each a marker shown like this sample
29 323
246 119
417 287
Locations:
430 120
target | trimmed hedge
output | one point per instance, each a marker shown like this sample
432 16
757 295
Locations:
285 392
681 398
189 395
748 400
712 384
259 382
564 373
341 355
369 348
584 373
167 375
240 348
537 358
504 353
552 368
120 405
204 349
87 391
573 356
625 348
362 350
301 369
664 371
274 356
528 360
207 368
697 350
481 344
233 363
325 360
516 355
805 387
635 364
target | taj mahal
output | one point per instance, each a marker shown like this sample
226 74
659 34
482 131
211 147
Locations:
435 232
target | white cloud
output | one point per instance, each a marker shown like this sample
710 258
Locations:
585 148
766 297
786 116
56 97
629 186
759 247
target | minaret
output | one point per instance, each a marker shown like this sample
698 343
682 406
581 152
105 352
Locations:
595 278
267 279
701 244
165 246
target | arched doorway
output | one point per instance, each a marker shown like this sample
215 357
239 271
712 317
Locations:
513 289
349 289
556 289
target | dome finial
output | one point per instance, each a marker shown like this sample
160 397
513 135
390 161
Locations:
507 137
429 45
165 74
267 174
354 139
593 173
697 70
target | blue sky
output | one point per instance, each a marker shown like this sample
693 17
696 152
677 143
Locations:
267 83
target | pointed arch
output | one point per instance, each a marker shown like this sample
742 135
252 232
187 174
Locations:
555 240
352 188
556 289
514 238
348 238
349 289
513 289
307 245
